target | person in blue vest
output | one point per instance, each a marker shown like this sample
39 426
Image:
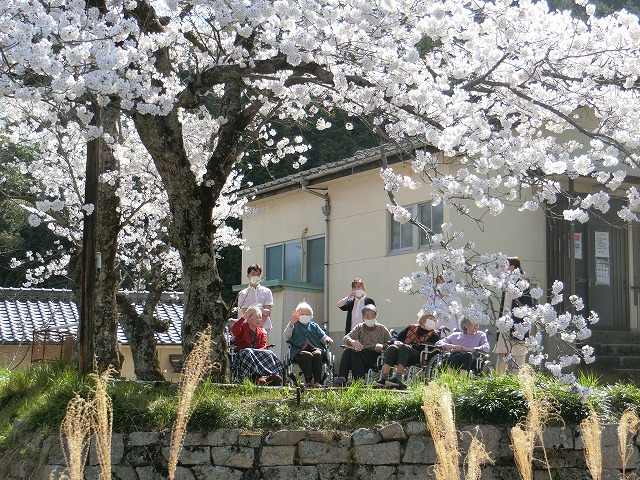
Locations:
307 341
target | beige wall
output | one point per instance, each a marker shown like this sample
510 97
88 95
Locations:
18 357
359 240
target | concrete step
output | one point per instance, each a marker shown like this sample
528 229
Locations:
600 337
613 349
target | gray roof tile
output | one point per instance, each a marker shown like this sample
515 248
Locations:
23 310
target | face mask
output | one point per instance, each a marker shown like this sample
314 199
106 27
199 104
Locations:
359 292
304 319
429 324
370 323
254 279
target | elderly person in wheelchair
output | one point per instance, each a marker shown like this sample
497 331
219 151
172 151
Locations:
464 346
252 358
406 348
307 341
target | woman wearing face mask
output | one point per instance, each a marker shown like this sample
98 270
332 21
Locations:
363 345
354 303
307 342
405 349
463 345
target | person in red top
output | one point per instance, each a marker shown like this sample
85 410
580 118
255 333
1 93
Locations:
252 359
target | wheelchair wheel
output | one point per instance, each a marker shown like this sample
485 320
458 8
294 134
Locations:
433 368
486 369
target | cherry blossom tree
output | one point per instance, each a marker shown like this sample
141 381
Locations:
507 93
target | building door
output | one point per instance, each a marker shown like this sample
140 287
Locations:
608 274
601 265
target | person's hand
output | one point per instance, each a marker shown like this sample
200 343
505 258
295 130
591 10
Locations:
352 294
379 347
397 342
328 340
295 316
356 345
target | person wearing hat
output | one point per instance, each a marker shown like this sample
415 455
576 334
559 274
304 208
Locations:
363 345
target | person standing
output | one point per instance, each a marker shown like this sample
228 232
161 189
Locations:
255 295
507 346
354 303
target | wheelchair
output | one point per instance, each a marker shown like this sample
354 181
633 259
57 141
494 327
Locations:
293 374
433 361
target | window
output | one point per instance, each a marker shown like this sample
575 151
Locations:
407 237
285 261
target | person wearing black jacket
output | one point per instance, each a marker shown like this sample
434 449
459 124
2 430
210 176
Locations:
354 303
405 349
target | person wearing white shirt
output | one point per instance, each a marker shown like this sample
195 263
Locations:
255 295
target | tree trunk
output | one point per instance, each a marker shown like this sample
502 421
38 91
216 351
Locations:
107 285
192 234
140 332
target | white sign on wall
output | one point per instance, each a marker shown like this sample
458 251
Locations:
601 243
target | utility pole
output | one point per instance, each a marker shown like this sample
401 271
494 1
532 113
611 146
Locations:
87 320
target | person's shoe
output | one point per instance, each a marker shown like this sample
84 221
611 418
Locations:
380 382
260 381
395 382
275 380
339 382
317 385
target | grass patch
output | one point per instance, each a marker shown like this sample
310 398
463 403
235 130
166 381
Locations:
35 400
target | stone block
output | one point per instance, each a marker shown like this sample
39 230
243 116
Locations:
222 437
364 436
356 472
558 437
558 458
286 437
117 473
611 458
55 456
142 439
313 453
387 453
47 472
608 436
144 455
149 473
419 449
190 455
215 472
411 472
290 473
117 449
194 439
415 428
253 440
491 437
393 431
234 457
338 438
277 455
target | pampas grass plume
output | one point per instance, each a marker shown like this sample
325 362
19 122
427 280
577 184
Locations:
591 433
628 426
438 410
75 434
195 367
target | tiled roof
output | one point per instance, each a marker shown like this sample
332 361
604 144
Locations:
24 310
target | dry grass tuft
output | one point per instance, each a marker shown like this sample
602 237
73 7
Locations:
476 457
628 426
75 434
102 422
591 436
438 410
524 433
195 367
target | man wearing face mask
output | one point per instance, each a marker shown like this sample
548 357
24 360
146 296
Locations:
307 341
354 303
363 345
406 348
255 295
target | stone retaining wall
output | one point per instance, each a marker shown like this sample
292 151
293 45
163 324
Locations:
393 451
